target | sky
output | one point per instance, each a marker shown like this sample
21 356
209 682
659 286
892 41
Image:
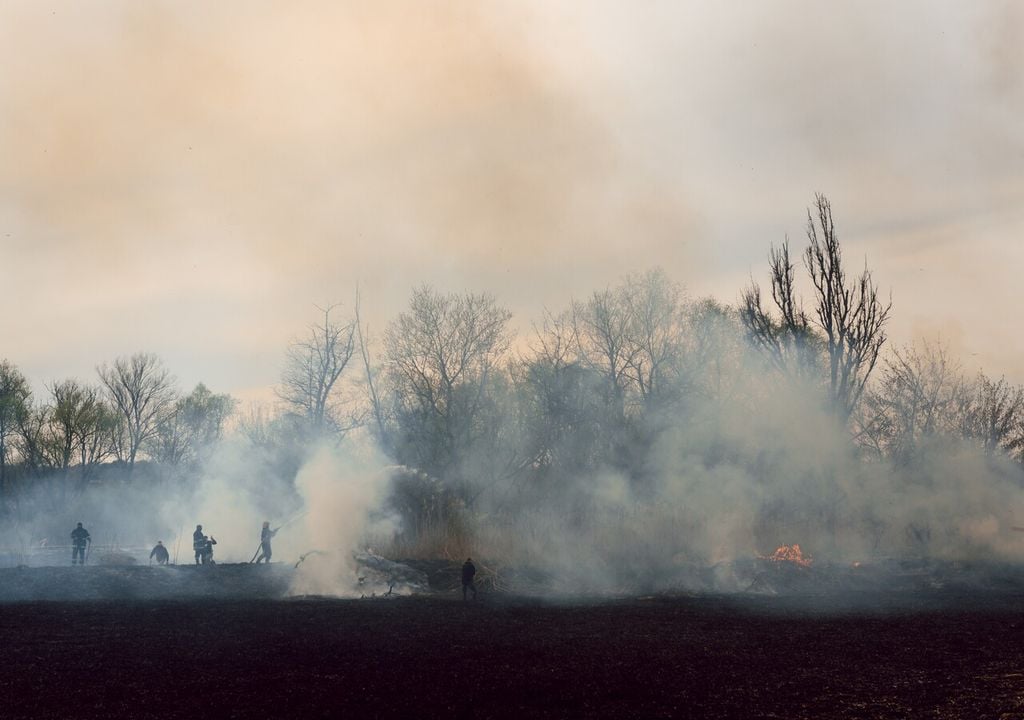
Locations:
193 179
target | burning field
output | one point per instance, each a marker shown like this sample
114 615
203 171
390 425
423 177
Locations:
884 640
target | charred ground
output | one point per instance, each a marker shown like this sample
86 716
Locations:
942 652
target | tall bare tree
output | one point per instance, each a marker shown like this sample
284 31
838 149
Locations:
141 390
849 316
372 384
313 367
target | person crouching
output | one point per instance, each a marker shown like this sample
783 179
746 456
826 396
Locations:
159 553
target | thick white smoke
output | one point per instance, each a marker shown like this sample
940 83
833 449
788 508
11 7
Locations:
343 492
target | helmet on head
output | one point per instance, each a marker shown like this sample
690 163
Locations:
79 524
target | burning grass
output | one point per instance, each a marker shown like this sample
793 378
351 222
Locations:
790 554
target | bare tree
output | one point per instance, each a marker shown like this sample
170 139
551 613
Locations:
601 327
921 394
254 424
555 342
561 402
376 402
596 378
440 356
849 316
33 439
716 352
141 390
80 430
657 311
633 334
996 415
14 400
310 380
787 341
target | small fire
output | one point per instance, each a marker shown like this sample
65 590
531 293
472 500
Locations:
790 553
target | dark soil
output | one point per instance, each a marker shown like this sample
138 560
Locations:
171 582
933 656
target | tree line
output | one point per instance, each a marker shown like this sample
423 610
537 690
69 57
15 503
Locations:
450 390
133 410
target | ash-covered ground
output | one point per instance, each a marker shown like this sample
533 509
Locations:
901 639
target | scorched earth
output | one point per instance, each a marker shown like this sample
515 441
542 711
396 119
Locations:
248 651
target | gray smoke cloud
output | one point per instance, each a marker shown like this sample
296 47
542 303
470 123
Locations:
788 474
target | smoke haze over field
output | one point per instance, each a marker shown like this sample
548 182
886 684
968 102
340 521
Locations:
194 179
189 178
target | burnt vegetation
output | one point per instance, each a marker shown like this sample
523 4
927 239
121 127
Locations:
427 657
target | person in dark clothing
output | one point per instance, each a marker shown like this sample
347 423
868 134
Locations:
159 553
468 573
199 543
79 542
208 551
265 550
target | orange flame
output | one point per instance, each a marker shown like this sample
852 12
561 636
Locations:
790 553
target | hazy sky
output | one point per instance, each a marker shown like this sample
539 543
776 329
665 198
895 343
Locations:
190 178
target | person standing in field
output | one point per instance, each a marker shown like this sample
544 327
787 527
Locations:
199 543
468 573
79 542
265 536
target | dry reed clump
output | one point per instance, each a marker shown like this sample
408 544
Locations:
433 518
446 538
